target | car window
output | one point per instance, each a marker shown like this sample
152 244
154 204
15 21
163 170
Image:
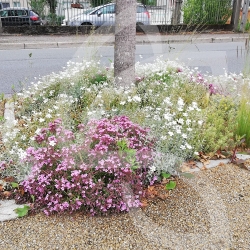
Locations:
4 13
11 13
32 13
110 9
140 9
21 12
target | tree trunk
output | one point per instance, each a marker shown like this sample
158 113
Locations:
244 15
1 27
177 13
237 14
125 41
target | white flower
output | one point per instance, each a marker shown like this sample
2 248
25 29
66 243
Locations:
38 131
184 136
182 147
178 131
167 116
48 116
152 168
136 98
167 101
52 143
200 122
180 102
41 120
181 121
21 153
23 137
188 146
122 103
170 133
188 121
194 104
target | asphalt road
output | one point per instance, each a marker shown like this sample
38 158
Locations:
19 67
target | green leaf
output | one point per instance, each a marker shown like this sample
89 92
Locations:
165 175
33 198
171 185
22 211
14 184
134 167
187 175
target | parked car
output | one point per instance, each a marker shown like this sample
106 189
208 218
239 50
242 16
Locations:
4 5
105 15
18 16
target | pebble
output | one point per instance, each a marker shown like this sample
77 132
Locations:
209 211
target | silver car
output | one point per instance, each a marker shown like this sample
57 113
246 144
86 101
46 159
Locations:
105 16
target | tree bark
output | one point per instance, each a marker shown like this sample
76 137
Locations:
237 14
1 30
125 41
244 15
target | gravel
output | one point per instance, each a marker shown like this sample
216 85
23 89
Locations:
209 211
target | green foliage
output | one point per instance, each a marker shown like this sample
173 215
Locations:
207 11
38 6
171 185
247 27
130 153
218 130
22 211
243 118
165 175
149 2
96 3
52 5
54 20
14 185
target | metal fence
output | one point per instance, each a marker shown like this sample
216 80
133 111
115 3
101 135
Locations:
161 12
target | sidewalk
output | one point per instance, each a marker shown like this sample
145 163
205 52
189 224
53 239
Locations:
62 41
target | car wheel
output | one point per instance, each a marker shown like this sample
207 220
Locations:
86 24
138 27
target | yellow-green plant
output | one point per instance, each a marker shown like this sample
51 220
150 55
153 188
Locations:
243 120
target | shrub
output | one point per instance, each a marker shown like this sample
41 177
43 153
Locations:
207 11
101 169
243 116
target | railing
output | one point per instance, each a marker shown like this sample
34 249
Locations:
162 12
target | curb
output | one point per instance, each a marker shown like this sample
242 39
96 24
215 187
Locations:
41 45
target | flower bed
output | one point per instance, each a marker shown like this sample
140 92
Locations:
81 143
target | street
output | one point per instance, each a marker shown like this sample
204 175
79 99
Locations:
19 67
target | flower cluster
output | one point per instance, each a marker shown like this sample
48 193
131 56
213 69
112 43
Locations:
105 172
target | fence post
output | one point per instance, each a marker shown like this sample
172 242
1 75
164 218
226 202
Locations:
236 14
244 15
177 12
1 30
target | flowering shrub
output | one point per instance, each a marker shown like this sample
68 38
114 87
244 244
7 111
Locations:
105 172
186 112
